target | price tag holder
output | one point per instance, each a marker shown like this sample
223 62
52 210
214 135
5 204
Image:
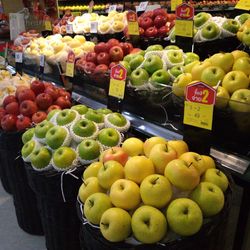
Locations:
184 28
142 6
199 105
42 64
48 25
133 27
174 4
70 65
6 54
94 27
243 5
69 29
117 83
19 57
112 8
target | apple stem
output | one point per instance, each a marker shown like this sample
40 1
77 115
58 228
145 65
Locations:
91 203
84 182
218 171
155 180
112 150
190 164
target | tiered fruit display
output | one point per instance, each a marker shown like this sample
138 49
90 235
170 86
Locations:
244 32
72 137
30 105
147 189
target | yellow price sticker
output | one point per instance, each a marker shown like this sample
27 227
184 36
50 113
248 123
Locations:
198 115
47 25
175 3
184 28
133 28
70 69
117 88
243 5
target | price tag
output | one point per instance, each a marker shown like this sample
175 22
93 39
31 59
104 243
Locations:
142 6
199 105
70 64
184 28
19 57
47 25
69 29
133 27
112 8
93 27
42 61
174 4
117 83
243 5
6 53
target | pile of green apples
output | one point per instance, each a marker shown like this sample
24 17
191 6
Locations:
143 190
72 137
228 73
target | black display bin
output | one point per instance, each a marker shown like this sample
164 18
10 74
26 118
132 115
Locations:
15 175
56 193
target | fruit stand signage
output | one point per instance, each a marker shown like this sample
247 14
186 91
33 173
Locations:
199 104
142 6
184 11
174 4
243 5
117 83
133 27
70 64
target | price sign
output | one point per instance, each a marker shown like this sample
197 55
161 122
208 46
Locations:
184 28
184 11
69 29
117 83
133 27
19 57
112 8
70 64
142 6
47 25
174 4
243 5
93 27
199 104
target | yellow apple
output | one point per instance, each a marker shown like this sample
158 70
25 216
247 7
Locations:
74 44
208 161
180 83
222 97
198 68
92 170
149 143
80 38
118 26
188 68
66 39
118 17
88 46
104 27
222 60
239 53
179 146
133 146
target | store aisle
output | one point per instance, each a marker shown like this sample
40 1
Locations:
12 237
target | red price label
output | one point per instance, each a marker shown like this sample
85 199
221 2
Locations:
200 92
71 57
184 11
118 72
131 16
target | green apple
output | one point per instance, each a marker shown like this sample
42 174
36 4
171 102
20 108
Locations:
115 224
161 155
149 225
198 69
191 57
176 71
94 116
128 57
235 80
88 187
209 197
243 64
182 174
109 137
27 135
64 157
184 216
29 147
136 61
84 128
180 83
210 31
65 117
52 113
212 75
92 170
139 77
216 177
109 173
240 101
117 119
154 47
175 56
126 65
80 108
42 128
104 111
222 97
89 149
239 53
231 25
243 17
156 191
188 68
160 78
151 142
200 19
171 47
125 194
222 60
94 207
152 64
40 158
55 137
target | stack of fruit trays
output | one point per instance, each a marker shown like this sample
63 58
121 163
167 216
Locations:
143 192
72 137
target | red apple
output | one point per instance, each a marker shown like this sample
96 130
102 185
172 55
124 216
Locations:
23 122
39 117
141 31
160 21
48 84
151 32
115 154
91 57
26 94
8 122
149 13
146 22
8 99
101 69
52 91
126 48
103 58
2 114
112 42
43 101
171 17
37 86
89 67
28 108
53 107
12 108
63 92
100 47
135 51
63 102
19 89
160 11
163 31
116 54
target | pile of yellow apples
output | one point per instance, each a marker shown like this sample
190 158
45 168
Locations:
143 190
